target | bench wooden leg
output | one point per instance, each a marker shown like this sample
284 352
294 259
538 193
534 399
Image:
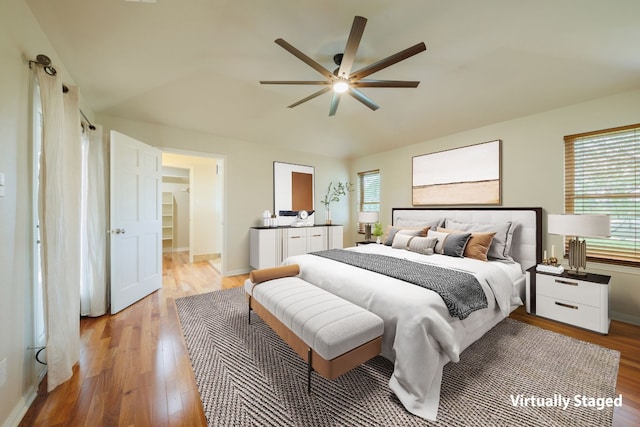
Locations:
309 370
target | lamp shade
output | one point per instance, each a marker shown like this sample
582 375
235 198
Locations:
367 217
579 225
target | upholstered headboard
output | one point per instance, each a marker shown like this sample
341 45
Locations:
526 246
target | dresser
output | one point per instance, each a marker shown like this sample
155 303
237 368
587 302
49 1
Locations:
577 300
268 247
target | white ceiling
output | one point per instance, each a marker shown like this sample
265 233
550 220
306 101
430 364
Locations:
196 64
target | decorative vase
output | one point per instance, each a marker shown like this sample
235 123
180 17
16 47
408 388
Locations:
328 217
378 241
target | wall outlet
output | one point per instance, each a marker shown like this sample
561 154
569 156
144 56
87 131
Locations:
3 371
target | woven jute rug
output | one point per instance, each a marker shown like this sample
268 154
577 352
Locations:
515 375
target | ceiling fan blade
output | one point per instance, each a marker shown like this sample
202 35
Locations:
335 100
363 98
294 82
304 58
390 60
385 83
313 95
350 50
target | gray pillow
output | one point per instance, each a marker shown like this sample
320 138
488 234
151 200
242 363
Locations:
391 234
432 223
455 243
500 246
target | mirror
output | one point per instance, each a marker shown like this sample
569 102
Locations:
293 191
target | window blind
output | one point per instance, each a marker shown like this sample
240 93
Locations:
602 176
368 193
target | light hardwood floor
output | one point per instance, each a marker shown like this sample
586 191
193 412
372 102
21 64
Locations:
134 369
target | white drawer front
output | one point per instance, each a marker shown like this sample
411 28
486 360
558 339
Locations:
296 233
570 289
316 239
581 315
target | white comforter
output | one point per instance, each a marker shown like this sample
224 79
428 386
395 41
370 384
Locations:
420 336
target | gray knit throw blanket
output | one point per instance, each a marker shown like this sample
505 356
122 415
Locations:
461 291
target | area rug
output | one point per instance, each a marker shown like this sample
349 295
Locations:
515 375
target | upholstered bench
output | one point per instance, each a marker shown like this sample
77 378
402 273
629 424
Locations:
332 334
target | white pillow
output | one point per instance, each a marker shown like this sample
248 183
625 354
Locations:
441 237
422 245
401 241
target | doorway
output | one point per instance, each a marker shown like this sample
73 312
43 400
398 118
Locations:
193 185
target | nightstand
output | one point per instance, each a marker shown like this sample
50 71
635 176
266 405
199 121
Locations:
577 300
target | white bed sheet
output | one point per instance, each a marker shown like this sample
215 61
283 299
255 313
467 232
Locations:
420 336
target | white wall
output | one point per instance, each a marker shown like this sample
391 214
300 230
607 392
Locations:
20 39
207 224
532 172
532 175
248 179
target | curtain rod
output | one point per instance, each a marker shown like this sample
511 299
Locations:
49 69
91 126
65 89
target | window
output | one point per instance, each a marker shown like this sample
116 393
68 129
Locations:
368 193
602 176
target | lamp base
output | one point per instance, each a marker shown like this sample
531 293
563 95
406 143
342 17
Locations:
367 232
577 257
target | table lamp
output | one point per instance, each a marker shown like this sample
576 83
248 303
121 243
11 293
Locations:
578 225
367 218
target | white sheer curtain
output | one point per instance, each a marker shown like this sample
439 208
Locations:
60 179
93 289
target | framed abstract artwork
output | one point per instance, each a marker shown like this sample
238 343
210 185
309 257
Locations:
461 176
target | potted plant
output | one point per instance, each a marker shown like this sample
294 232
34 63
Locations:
377 231
334 192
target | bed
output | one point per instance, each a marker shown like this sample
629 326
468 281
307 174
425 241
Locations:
421 333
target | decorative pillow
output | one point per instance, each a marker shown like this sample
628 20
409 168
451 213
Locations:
422 245
455 243
401 241
414 223
412 231
440 237
477 246
500 246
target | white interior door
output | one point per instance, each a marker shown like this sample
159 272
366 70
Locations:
136 220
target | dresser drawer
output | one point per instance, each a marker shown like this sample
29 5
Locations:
568 289
584 316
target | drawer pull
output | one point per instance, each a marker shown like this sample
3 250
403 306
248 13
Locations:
317 235
561 304
295 237
564 282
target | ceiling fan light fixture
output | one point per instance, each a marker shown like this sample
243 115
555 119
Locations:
341 86
343 79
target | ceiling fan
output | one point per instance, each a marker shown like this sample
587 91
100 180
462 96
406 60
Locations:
342 80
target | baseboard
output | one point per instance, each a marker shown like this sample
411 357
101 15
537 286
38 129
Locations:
238 272
205 257
21 408
626 318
